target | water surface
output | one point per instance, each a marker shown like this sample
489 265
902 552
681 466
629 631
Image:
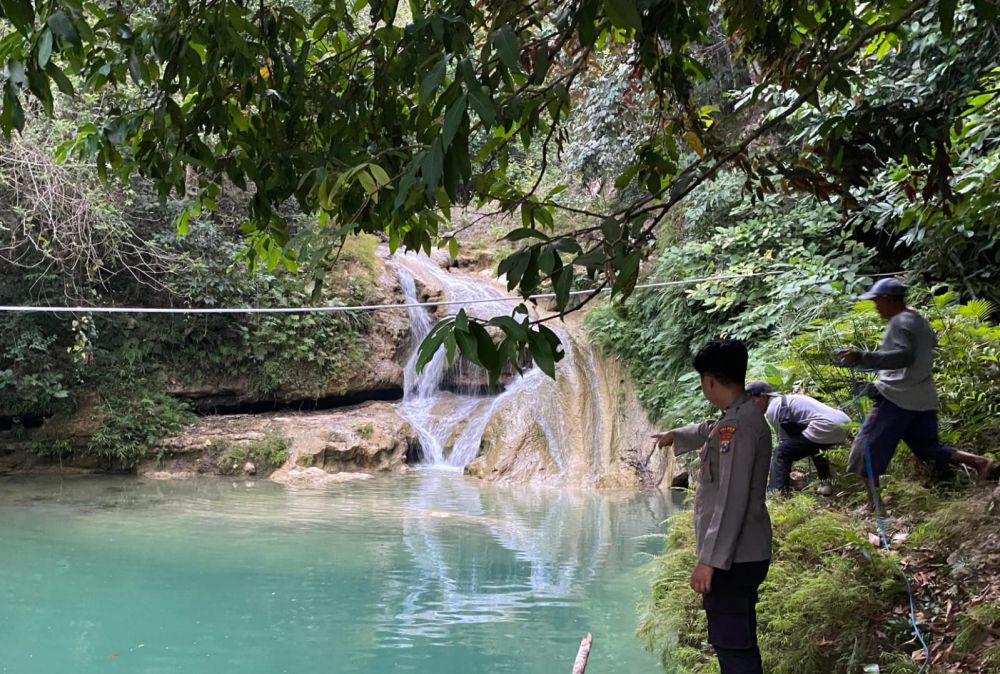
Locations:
426 572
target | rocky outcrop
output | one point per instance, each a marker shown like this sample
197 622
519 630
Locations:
367 438
585 428
387 345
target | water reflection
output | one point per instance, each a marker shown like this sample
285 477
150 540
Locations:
537 548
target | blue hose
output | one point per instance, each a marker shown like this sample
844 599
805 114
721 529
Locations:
885 543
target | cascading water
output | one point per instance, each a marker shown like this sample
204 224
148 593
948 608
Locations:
584 427
450 423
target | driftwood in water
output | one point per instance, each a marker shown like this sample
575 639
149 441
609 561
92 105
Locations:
581 656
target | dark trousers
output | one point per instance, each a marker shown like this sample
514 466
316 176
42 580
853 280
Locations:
886 424
731 609
789 450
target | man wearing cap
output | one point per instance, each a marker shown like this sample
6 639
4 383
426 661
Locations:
905 406
804 427
732 527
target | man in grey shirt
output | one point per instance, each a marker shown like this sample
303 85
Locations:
905 399
732 527
804 427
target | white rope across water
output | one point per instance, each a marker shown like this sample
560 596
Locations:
371 307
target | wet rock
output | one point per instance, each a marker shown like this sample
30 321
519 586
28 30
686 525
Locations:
249 468
584 429
370 437
315 477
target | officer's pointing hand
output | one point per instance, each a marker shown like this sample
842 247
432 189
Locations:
663 439
701 578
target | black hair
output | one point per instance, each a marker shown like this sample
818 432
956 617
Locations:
724 359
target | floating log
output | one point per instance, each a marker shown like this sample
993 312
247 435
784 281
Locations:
581 656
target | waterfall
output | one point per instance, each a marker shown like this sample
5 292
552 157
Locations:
586 427
450 423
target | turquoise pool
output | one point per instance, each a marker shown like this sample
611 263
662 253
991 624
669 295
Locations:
424 572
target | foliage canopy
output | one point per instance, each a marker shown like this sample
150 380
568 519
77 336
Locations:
379 117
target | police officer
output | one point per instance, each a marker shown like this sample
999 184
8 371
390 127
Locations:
805 427
732 527
906 403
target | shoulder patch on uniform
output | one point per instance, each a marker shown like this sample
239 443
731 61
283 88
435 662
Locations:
726 434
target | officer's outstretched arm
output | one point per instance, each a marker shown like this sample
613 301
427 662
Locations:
691 437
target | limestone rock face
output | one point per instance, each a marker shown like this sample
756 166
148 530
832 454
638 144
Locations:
369 438
313 478
585 429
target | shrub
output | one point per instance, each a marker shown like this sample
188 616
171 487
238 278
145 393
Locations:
656 331
132 425
271 451
976 626
967 364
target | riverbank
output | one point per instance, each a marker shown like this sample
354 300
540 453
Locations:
835 600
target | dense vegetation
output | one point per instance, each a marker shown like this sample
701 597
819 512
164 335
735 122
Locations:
833 595
835 600
379 117
64 239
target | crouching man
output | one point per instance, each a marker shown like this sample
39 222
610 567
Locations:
804 427
732 526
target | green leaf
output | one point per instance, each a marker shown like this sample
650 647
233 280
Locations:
508 47
183 221
432 168
542 353
486 348
479 97
367 182
381 177
468 345
453 248
622 181
12 116
623 13
432 80
514 266
628 274
453 119
511 327
200 50
63 27
563 284
985 9
432 342
20 12
39 85
59 77
44 47
524 233
541 64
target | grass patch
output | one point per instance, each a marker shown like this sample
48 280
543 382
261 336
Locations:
365 430
827 591
270 452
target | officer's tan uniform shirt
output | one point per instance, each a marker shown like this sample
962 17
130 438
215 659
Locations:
730 518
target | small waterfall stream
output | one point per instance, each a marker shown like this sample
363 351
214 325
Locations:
450 423
581 427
